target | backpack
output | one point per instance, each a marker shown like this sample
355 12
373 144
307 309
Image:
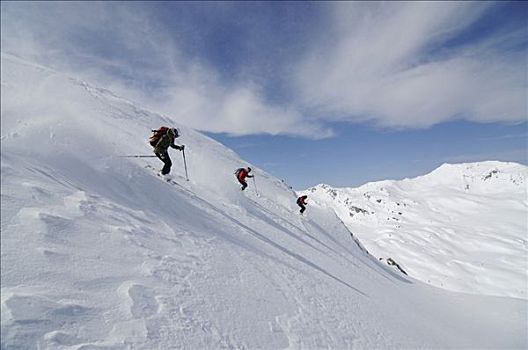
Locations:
156 135
238 171
301 200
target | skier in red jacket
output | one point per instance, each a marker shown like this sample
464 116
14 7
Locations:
301 202
241 175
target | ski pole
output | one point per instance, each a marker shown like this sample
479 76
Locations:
137 156
185 164
255 184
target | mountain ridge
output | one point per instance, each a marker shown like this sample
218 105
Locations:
388 216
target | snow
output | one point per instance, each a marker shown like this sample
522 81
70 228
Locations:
462 227
99 252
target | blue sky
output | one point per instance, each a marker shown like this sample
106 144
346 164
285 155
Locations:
313 92
360 154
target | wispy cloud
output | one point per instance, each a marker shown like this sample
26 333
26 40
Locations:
389 63
382 63
128 51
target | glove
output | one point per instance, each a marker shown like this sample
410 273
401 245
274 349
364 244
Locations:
182 147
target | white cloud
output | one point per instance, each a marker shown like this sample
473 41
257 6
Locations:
379 67
128 52
372 64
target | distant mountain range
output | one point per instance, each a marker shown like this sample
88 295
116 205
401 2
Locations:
462 227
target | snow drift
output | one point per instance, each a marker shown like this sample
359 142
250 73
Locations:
98 252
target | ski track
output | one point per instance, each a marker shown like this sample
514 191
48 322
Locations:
290 326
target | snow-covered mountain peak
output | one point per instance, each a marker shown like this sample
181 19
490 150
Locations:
461 227
487 176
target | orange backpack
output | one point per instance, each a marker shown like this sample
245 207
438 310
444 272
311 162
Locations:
156 135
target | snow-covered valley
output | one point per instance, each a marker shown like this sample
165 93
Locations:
98 252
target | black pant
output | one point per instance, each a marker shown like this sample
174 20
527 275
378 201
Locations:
243 183
164 157
303 208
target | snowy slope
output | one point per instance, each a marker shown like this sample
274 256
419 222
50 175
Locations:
100 253
462 227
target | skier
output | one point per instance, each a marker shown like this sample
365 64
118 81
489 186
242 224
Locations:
161 139
241 175
301 202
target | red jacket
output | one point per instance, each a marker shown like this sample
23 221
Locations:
242 174
302 200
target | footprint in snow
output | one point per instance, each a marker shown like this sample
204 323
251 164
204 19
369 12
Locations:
141 300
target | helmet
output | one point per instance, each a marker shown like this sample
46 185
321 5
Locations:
176 132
